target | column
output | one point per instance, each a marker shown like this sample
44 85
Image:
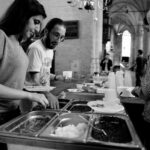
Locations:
97 36
117 48
146 44
141 37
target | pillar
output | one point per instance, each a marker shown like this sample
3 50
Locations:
97 36
117 48
140 37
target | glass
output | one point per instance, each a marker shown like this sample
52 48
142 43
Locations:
58 36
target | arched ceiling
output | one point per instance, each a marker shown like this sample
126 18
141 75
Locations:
127 14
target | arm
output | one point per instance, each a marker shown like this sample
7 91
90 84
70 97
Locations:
13 94
34 78
35 64
53 101
56 77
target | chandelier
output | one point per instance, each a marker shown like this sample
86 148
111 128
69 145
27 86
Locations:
88 4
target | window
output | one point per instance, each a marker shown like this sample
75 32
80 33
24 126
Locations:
126 44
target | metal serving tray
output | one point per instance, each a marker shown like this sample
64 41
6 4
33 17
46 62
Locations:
29 124
65 128
114 131
62 105
79 106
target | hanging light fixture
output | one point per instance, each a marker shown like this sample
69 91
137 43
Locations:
88 4
82 4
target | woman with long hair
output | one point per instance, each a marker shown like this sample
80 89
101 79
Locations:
20 22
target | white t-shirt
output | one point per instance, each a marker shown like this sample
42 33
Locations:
40 60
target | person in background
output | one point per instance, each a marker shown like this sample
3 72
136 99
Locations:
106 63
20 21
139 67
41 53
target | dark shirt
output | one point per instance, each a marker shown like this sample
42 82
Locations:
140 65
103 63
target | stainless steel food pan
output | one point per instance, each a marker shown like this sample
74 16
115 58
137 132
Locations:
68 127
113 131
79 106
30 123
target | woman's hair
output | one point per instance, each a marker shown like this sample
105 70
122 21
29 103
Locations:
17 15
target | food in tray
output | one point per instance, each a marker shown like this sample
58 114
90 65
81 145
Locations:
32 125
79 102
68 125
62 104
80 108
115 128
71 131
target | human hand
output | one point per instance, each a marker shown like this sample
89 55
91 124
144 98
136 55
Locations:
40 98
53 101
60 77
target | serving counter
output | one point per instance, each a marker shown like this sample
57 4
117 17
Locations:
74 126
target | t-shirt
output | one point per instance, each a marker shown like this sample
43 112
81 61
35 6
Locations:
13 67
40 60
106 64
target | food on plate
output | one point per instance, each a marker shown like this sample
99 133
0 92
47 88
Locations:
89 89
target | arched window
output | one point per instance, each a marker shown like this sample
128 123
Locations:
126 44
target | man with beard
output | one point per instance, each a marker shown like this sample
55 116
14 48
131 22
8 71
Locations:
40 55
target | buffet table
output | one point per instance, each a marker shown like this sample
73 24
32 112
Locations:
43 138
63 86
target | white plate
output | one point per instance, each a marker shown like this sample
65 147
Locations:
38 88
75 90
105 107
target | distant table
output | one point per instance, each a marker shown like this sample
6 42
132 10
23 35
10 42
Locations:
63 86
